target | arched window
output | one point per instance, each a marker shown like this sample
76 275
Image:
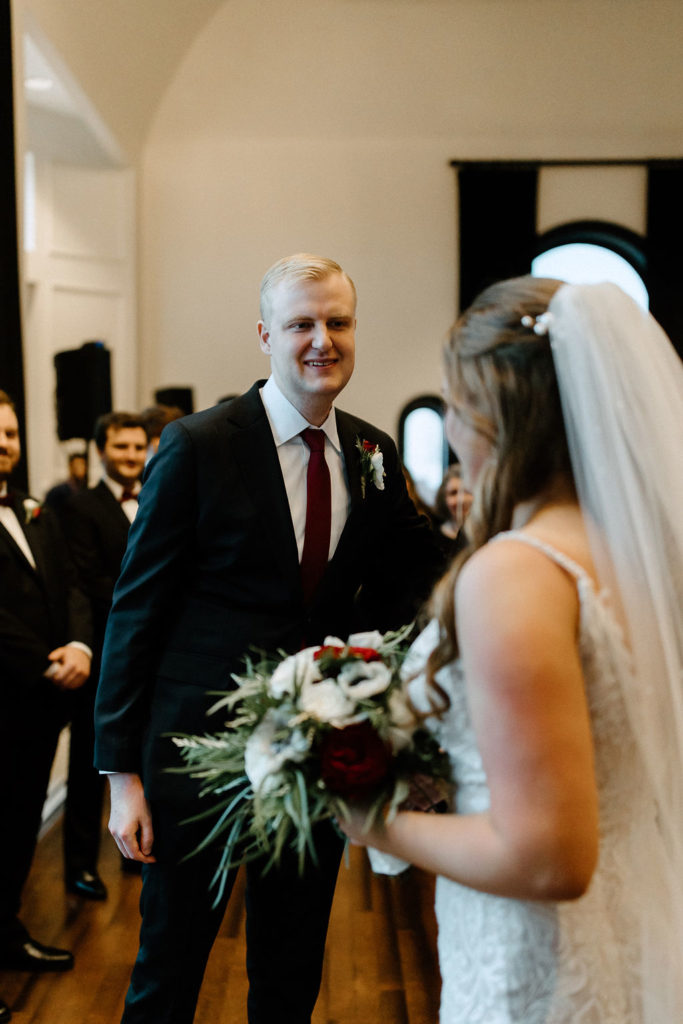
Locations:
590 251
422 443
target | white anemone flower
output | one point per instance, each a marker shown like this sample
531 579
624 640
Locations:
377 463
299 668
371 639
333 641
361 679
403 720
265 756
327 702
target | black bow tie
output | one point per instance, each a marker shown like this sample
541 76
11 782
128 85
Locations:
128 496
6 499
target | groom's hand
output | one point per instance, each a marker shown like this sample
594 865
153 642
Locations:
130 821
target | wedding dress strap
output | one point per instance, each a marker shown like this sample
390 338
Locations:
572 567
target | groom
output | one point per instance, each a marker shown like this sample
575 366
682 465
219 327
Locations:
225 554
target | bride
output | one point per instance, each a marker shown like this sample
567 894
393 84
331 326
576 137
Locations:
553 668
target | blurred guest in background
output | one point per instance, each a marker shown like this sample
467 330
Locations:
451 506
96 522
77 481
421 506
154 419
45 633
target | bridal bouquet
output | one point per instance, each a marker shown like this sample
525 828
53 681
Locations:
306 735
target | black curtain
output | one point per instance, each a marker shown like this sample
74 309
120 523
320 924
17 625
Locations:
497 213
664 248
11 363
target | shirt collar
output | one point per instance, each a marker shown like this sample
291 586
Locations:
286 422
117 489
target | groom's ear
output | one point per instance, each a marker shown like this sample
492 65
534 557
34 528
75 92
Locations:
264 335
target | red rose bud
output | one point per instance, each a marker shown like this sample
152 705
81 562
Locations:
366 653
368 446
354 761
363 653
330 650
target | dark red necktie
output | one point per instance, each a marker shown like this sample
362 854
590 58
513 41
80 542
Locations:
318 514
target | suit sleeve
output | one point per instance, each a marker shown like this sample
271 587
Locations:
153 575
85 544
25 645
23 654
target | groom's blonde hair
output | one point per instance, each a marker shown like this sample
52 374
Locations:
302 266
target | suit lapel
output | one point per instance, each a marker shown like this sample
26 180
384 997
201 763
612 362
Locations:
6 536
111 508
347 439
34 534
254 449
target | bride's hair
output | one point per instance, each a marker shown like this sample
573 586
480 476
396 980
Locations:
501 380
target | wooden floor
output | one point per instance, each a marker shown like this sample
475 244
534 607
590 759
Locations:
381 961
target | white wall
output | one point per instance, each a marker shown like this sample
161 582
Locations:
79 285
329 125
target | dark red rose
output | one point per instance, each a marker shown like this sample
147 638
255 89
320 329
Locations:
368 446
354 761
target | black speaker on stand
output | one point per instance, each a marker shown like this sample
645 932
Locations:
83 389
183 398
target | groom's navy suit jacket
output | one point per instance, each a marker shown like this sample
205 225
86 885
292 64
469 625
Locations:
212 569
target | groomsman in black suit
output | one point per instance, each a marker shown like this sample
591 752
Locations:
219 559
96 523
45 637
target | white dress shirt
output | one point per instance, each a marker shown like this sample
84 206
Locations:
11 523
286 423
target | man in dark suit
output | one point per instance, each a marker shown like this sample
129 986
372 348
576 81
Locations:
96 523
45 637
215 564
77 481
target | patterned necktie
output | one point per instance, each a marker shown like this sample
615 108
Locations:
318 514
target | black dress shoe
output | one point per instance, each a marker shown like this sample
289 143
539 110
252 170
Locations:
87 884
5 1012
30 955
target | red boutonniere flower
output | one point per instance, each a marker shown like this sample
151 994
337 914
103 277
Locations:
32 509
371 464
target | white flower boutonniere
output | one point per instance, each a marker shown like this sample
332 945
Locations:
371 464
32 509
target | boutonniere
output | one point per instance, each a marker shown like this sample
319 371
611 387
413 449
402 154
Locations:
32 509
371 465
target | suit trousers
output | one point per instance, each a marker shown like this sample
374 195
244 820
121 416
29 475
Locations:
29 731
85 786
287 919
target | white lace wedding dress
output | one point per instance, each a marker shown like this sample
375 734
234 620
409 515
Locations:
535 962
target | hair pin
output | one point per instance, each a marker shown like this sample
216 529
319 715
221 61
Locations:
539 324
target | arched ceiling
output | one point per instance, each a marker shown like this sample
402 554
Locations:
121 54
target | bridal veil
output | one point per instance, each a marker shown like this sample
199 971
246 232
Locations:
621 386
